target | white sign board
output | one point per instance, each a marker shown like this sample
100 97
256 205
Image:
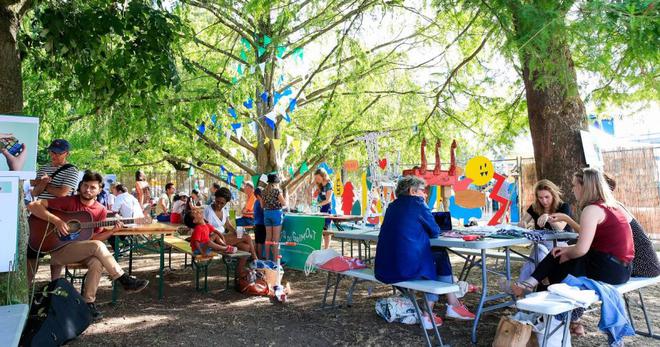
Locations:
18 144
8 223
591 147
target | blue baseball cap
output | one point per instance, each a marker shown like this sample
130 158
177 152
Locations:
59 146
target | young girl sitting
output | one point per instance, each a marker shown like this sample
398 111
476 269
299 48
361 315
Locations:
205 238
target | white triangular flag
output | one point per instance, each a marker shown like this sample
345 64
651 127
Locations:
272 116
262 67
289 140
254 127
263 178
305 144
228 134
239 133
252 69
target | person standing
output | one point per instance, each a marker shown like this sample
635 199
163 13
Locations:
324 200
142 190
273 215
56 179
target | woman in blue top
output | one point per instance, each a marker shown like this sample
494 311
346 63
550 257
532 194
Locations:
404 251
324 199
259 224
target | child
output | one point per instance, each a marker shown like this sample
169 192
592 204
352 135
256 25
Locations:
178 208
205 238
324 200
259 227
273 215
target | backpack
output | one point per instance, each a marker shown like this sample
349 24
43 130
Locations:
58 314
249 284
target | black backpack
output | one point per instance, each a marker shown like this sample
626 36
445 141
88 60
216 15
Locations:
58 315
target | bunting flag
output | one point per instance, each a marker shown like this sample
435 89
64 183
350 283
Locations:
286 117
263 178
255 127
292 105
262 67
276 98
261 51
228 134
234 80
201 128
303 168
296 145
267 40
305 144
248 103
325 167
280 80
222 169
229 176
246 43
255 180
232 112
264 97
239 181
288 91
291 172
298 53
214 119
252 69
280 51
244 55
191 171
240 69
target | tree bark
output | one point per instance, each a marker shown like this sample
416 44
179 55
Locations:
556 116
11 84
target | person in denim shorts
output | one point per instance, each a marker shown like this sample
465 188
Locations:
273 215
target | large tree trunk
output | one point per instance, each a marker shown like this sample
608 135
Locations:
11 84
556 116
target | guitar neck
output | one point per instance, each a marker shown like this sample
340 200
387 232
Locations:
109 223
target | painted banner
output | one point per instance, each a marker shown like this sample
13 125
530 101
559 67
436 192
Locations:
9 222
307 232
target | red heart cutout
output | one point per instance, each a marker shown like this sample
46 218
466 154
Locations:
382 163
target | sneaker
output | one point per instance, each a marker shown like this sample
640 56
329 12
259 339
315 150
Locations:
426 321
96 314
459 312
132 284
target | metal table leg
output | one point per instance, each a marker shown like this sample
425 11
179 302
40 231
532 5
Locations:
161 245
484 293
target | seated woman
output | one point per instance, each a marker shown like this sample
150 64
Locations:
404 252
217 215
645 263
548 201
604 251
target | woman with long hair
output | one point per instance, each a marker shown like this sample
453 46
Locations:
273 215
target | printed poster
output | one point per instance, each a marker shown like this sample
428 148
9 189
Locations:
18 146
8 223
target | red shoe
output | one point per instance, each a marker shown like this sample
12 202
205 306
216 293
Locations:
459 312
427 321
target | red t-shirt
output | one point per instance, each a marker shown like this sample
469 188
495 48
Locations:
614 235
73 204
201 233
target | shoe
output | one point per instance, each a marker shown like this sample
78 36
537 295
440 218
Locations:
459 312
132 284
96 314
426 321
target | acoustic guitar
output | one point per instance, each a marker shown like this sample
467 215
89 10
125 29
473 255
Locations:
45 239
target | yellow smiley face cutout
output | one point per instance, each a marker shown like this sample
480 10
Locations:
480 170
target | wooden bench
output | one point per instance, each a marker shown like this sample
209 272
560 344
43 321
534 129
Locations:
549 308
202 262
72 272
408 288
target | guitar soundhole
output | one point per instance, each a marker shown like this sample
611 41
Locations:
74 231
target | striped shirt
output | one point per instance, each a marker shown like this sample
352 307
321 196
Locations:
68 177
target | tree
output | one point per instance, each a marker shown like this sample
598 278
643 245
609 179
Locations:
541 37
11 85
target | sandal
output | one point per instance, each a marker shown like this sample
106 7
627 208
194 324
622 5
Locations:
577 329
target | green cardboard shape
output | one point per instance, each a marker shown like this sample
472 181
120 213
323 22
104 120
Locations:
307 232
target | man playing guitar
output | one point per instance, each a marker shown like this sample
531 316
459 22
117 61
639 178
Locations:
92 253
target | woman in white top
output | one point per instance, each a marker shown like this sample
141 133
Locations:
217 214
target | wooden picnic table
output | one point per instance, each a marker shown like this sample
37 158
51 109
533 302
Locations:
153 242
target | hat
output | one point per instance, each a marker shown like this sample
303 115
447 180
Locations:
273 178
59 146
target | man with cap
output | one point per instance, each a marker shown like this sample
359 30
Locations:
56 179
247 213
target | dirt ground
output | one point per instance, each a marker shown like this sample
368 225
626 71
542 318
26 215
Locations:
227 318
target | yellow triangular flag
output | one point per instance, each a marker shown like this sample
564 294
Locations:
276 143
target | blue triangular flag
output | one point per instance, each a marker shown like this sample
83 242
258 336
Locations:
232 112
222 169
229 175
280 80
201 128
264 97
276 98
214 119
236 126
248 104
287 91
286 117
292 105
270 123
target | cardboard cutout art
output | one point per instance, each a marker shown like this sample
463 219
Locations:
437 177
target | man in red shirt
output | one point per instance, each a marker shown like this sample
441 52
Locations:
92 253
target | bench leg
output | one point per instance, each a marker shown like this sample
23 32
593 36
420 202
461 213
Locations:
349 296
547 319
649 326
206 278
169 258
334 295
327 288
411 295
329 284
435 327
